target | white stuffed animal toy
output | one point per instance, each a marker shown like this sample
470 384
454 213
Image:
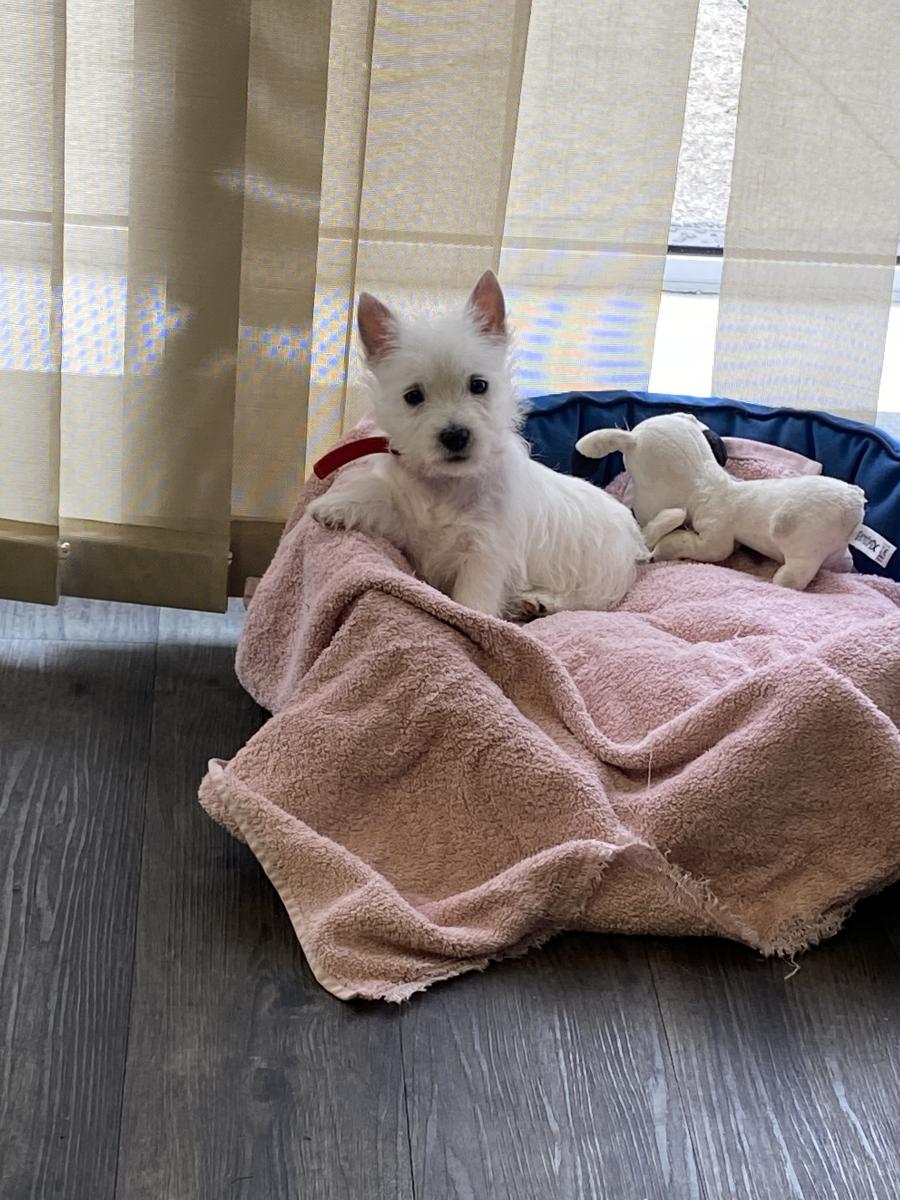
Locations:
799 522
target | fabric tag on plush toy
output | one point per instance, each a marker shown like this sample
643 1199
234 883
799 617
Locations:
873 545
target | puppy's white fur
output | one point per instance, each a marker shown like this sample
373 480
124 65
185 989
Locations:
484 523
800 523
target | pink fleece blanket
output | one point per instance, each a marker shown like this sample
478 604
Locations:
437 788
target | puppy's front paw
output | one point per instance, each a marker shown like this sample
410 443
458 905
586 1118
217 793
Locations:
330 513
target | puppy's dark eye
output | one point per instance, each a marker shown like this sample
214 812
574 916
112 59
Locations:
477 385
414 396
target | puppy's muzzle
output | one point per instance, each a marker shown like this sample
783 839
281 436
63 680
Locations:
455 440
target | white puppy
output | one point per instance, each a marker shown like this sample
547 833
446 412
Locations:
478 518
800 522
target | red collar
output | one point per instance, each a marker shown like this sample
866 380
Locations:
341 455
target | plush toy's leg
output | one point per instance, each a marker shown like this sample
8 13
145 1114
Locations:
664 522
712 545
797 573
841 561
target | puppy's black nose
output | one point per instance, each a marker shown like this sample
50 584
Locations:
454 438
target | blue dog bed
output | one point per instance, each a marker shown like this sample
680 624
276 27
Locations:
847 450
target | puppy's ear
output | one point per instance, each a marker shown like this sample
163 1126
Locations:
377 326
488 305
604 441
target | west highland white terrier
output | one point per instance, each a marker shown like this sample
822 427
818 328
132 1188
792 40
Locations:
478 518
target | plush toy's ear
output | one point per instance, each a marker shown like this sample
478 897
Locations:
718 447
604 441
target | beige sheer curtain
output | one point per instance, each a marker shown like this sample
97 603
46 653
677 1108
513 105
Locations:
32 106
541 138
422 111
194 191
162 164
814 218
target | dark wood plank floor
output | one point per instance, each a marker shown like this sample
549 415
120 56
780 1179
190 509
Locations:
163 1038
